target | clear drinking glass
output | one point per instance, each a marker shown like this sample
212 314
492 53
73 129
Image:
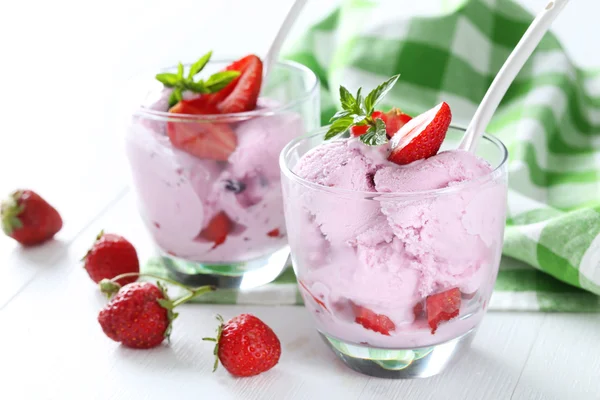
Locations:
351 278
218 219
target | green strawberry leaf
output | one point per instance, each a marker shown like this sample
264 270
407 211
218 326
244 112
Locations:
379 93
199 65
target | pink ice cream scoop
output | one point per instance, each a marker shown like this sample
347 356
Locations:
180 195
382 250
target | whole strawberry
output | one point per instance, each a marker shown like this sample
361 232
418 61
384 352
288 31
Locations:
28 218
246 346
111 255
140 315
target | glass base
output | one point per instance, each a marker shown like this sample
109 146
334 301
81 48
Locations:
403 363
242 275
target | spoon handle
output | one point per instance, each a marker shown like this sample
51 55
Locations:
508 72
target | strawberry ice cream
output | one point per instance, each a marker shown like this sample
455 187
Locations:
213 211
394 256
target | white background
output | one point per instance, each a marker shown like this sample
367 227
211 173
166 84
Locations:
62 64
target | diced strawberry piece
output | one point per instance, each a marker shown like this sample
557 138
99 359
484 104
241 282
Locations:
372 321
273 233
217 229
394 120
422 136
442 307
242 93
358 130
418 310
213 141
315 298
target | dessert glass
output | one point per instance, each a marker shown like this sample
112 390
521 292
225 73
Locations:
179 194
341 274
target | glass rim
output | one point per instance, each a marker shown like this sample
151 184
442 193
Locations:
496 172
233 117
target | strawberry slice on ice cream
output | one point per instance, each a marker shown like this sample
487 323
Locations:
442 307
370 320
217 229
422 136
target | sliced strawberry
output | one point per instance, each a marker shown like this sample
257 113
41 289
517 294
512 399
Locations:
213 141
273 233
394 120
358 130
418 310
372 321
217 229
422 136
442 307
315 298
242 93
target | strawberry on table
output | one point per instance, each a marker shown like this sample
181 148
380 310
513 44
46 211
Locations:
28 218
370 320
246 346
141 314
442 307
109 256
422 136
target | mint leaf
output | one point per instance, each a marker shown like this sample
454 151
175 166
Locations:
379 93
180 71
338 126
376 135
168 79
219 80
359 102
340 114
196 87
176 96
348 101
199 65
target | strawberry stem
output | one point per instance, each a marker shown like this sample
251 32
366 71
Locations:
138 274
193 293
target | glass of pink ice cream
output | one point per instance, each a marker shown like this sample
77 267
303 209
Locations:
208 186
396 263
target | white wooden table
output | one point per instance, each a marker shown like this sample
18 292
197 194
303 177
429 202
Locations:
62 64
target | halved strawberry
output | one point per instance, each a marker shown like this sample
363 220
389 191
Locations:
315 298
372 321
442 307
422 136
217 229
358 130
394 120
242 93
213 141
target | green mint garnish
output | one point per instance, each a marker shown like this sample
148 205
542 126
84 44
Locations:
179 83
356 111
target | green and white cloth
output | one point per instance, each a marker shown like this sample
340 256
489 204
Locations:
549 121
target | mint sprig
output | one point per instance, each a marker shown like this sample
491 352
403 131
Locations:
356 111
181 83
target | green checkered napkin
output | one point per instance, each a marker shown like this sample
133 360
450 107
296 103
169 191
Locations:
549 120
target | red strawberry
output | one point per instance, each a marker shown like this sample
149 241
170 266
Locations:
422 136
242 93
246 346
358 130
394 120
442 307
111 255
28 218
273 233
135 318
370 320
217 229
315 298
213 141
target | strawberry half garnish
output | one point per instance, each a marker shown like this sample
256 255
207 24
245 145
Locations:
422 136
212 141
217 229
373 321
442 307
241 94
394 120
